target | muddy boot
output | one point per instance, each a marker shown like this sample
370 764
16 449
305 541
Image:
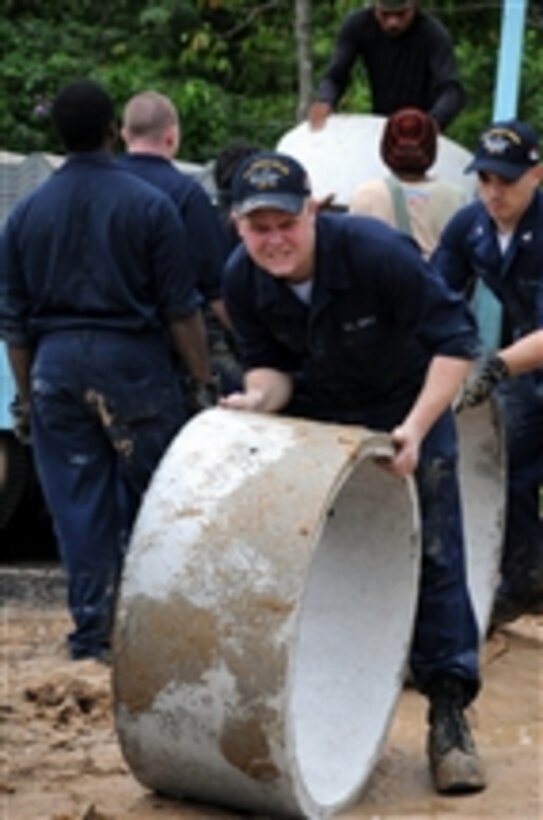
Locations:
454 762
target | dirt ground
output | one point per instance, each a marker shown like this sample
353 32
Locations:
61 761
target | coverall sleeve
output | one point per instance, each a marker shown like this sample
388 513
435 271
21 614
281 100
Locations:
174 274
207 243
256 344
420 302
448 326
14 299
450 260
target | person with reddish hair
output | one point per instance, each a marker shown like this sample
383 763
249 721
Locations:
410 198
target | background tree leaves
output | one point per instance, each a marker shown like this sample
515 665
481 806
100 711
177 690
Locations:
229 65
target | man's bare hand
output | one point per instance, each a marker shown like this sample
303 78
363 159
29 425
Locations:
20 411
318 114
248 400
326 202
406 444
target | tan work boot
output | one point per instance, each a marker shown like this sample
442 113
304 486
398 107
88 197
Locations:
454 763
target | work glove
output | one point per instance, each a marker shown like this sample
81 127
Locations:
202 395
20 412
487 373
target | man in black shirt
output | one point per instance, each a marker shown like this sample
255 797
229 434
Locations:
409 61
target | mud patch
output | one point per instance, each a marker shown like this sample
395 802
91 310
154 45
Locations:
60 759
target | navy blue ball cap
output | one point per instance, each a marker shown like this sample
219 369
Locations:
269 179
508 149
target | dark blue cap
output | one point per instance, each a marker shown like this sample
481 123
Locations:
508 149
269 179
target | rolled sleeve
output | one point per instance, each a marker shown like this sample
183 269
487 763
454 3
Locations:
14 305
450 260
448 326
419 301
207 243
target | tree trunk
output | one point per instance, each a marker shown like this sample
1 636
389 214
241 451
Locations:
303 52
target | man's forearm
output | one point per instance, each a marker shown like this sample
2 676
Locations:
524 355
443 381
20 359
189 339
265 391
448 105
219 309
274 385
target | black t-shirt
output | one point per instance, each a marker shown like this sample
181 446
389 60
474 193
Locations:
417 68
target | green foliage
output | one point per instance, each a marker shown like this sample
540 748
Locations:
229 65
203 112
477 57
33 68
531 96
478 69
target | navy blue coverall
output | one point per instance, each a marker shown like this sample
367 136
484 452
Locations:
93 266
205 236
469 250
358 354
207 244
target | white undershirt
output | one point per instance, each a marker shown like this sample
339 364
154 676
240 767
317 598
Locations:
303 290
504 240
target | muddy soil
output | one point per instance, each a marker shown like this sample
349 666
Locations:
61 760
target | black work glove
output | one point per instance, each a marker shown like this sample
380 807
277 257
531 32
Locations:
484 378
20 412
202 395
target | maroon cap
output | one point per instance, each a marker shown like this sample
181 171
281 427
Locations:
409 141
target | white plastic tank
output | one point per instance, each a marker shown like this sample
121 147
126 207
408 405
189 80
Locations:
345 153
